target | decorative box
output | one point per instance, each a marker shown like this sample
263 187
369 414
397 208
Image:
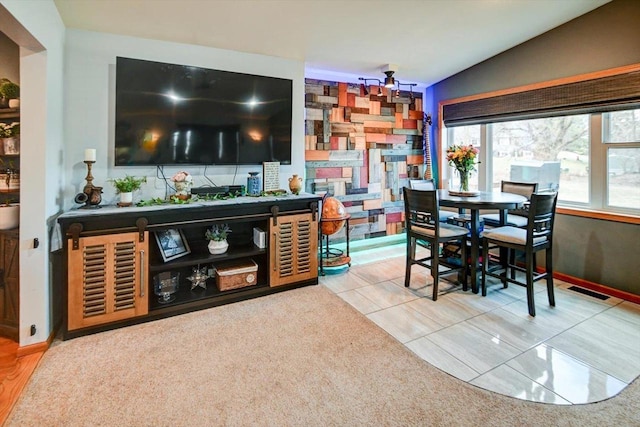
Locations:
236 274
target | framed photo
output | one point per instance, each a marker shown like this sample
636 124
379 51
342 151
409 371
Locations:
172 244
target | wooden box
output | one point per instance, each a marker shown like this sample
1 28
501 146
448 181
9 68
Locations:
236 274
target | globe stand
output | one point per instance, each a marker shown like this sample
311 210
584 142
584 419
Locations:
333 257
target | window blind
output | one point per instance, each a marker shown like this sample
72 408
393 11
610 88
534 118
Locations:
610 93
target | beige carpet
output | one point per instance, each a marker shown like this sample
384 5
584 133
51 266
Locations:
297 358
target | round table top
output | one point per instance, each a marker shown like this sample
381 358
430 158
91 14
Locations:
484 200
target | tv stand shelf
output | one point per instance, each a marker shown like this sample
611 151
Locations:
110 257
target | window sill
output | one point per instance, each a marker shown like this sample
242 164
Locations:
606 216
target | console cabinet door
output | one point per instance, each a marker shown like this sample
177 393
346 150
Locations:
293 248
9 283
107 279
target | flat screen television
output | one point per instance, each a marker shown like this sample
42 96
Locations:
168 114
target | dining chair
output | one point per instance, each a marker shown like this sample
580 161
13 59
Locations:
430 184
515 217
537 236
421 211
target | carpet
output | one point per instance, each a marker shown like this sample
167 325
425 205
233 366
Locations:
298 358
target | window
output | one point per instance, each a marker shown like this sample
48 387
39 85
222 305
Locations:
465 135
621 138
592 160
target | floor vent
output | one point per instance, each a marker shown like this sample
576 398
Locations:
588 292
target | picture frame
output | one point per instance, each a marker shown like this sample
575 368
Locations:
172 244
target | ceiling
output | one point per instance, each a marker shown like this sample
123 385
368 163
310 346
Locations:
428 40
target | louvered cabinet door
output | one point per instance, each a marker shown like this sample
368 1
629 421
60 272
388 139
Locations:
107 279
293 248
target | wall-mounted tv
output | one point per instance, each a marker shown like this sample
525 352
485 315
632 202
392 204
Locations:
169 114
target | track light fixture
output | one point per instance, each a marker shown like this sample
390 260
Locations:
390 82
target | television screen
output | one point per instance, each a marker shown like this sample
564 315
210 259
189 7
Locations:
169 114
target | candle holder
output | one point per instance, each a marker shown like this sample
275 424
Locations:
91 195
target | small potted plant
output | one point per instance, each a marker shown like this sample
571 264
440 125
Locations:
10 135
217 236
182 181
126 186
10 92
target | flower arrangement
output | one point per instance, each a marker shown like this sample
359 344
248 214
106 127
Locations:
218 232
9 131
463 158
182 176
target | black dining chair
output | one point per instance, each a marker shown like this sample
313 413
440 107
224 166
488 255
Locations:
537 236
422 224
430 184
515 217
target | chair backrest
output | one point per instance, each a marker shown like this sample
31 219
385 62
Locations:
422 184
525 189
542 212
421 209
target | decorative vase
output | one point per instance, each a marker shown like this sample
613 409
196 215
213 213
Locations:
126 199
295 184
217 246
14 103
464 180
183 190
254 186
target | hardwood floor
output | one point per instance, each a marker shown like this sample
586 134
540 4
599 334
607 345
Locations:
14 374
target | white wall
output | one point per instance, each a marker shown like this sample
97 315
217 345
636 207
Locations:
89 108
41 93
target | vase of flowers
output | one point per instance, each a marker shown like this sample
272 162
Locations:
464 159
217 236
182 182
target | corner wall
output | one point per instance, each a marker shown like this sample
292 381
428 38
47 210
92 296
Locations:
608 37
90 108
362 148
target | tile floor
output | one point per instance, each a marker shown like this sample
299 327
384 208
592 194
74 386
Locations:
583 350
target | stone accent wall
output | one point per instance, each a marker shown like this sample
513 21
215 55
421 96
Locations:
362 148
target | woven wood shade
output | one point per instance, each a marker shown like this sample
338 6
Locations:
609 93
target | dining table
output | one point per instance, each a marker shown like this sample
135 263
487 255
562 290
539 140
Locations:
474 202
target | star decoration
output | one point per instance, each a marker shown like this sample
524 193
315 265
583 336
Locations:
198 278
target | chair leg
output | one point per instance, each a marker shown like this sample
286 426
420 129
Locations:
507 262
549 270
411 247
464 265
435 271
485 267
529 272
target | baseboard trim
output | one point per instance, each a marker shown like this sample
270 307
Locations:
35 348
596 287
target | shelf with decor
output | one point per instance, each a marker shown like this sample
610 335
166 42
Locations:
122 266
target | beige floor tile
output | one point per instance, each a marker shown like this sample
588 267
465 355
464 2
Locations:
606 343
386 294
403 323
361 303
566 376
477 349
446 311
521 332
435 355
343 282
506 380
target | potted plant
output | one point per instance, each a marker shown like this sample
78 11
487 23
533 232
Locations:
10 135
126 186
217 236
11 92
9 215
